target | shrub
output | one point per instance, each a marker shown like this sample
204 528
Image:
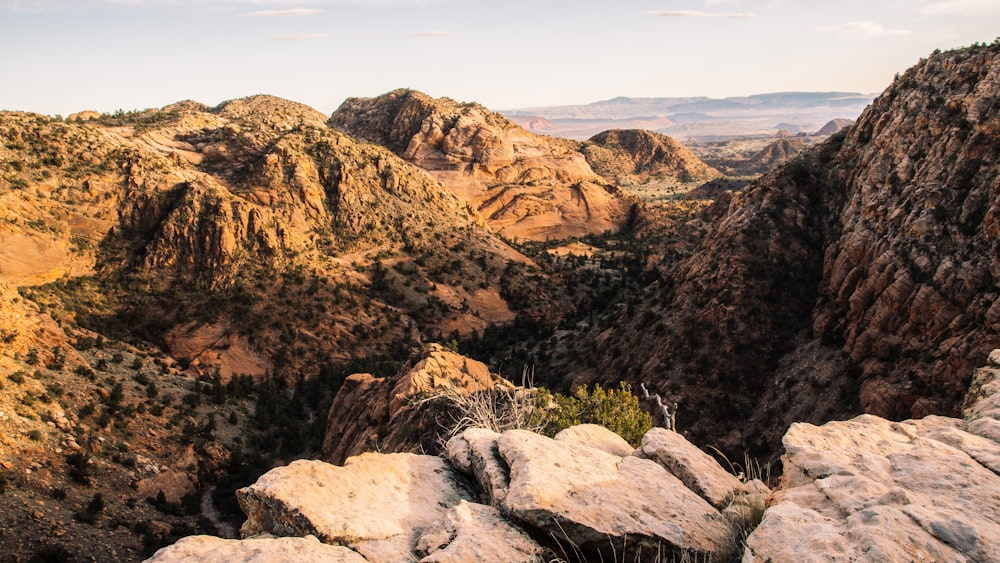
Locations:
617 410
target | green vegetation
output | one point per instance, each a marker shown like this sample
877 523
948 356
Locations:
615 409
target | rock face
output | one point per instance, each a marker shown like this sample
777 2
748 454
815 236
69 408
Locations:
696 469
636 155
865 489
257 550
568 494
869 489
366 406
408 492
475 532
868 267
524 185
553 486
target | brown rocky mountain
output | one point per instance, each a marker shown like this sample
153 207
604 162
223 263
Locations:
197 206
524 185
143 250
861 276
639 156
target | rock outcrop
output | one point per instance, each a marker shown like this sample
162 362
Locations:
383 413
864 270
524 185
869 489
544 495
553 486
865 489
374 504
637 156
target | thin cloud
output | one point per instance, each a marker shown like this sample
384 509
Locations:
698 14
299 37
49 6
960 7
285 13
866 28
431 34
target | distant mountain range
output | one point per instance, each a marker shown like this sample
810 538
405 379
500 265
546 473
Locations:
702 118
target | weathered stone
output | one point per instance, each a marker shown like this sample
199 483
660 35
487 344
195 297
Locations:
194 549
474 452
696 469
598 501
393 405
375 503
869 489
474 532
439 371
596 436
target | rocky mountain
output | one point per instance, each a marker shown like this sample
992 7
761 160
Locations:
523 185
184 288
639 156
860 276
196 206
866 488
760 161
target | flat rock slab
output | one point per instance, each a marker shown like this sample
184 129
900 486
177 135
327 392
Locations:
695 468
375 503
596 436
603 502
473 533
868 489
197 549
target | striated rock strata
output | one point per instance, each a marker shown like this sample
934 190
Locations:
524 185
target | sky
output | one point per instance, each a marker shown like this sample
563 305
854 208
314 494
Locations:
64 56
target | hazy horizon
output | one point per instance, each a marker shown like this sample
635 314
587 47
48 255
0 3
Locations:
63 56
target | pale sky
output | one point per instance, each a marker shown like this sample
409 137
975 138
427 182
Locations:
63 56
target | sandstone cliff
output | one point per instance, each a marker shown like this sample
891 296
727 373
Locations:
524 185
859 277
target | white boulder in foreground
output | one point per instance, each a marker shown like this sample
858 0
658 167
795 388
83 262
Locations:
868 489
196 549
374 504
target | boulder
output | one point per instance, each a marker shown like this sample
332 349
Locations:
696 469
194 549
374 504
868 489
601 502
472 533
596 436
